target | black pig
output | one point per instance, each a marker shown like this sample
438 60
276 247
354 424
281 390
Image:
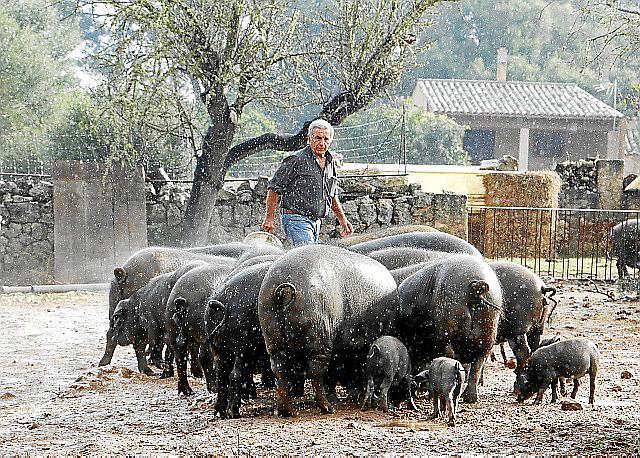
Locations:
444 377
572 358
388 367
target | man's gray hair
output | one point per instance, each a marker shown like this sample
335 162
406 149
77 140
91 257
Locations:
320 124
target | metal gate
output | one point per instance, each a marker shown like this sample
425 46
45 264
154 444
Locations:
564 243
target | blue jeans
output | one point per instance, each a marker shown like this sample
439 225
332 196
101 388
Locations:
300 230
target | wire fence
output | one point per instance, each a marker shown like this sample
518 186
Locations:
380 141
30 167
564 243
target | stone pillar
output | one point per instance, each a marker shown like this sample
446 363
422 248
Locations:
523 152
610 174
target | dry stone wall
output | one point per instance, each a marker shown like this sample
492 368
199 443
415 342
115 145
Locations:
27 221
26 232
591 183
368 202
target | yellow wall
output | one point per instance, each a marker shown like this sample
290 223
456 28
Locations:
459 179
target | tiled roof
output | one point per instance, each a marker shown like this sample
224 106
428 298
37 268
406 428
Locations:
513 98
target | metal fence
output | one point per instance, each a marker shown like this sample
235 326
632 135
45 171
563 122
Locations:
564 243
27 167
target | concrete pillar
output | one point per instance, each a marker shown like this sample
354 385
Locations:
523 151
610 174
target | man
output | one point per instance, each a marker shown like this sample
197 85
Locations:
307 183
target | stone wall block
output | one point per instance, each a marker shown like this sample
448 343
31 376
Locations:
226 215
174 215
385 211
42 191
46 214
260 189
12 230
401 211
226 197
24 212
242 215
156 213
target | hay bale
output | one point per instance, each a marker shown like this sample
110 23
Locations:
526 189
524 233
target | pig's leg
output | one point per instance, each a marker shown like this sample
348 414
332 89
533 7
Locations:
503 353
225 364
317 368
554 390
283 404
470 394
576 384
592 386
167 365
366 404
109 349
143 367
563 386
196 370
540 395
156 345
384 392
521 351
181 367
409 392
451 409
235 384
205 356
436 404
456 396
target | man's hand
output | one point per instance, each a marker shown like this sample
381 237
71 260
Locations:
347 228
269 224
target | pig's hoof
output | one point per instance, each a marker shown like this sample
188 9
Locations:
104 362
470 398
148 371
197 372
187 391
167 374
451 422
286 412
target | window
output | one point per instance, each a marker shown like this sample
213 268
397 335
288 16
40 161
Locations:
548 143
479 144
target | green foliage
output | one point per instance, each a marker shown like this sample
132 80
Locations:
546 41
434 139
35 74
429 138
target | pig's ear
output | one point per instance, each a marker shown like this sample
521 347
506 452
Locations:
120 274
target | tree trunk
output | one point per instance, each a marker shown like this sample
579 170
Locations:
208 179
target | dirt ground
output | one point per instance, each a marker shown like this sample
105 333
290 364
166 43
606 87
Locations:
54 400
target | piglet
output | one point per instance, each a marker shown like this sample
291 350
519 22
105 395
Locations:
388 365
444 379
569 359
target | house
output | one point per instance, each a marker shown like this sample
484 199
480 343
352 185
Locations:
540 123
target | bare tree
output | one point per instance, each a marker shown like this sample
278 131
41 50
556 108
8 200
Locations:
340 57
616 34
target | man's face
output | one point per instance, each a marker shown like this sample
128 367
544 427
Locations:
319 140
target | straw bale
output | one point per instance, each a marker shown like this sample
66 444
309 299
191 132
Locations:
525 233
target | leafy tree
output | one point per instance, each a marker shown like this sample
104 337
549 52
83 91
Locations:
337 56
36 74
429 138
